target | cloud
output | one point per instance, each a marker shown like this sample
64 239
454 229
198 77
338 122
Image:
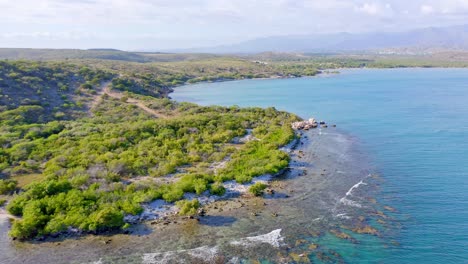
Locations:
211 22
68 35
375 9
427 9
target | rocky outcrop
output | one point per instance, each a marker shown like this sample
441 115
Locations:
305 125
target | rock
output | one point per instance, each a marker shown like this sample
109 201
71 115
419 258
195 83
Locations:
366 230
300 242
299 258
322 123
343 235
314 233
313 246
306 125
201 212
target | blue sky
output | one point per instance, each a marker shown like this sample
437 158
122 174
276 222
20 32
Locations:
170 24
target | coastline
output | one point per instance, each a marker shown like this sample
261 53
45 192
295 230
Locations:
245 223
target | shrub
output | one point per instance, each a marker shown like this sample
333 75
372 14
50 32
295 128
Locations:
7 186
217 189
105 218
173 195
257 189
188 207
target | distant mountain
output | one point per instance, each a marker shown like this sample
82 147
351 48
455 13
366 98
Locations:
454 37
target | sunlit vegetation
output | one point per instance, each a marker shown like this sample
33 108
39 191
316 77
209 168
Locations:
37 92
7 186
188 207
91 170
257 189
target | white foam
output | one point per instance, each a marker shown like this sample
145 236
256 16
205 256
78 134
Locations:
349 202
273 238
350 191
205 253
344 200
343 216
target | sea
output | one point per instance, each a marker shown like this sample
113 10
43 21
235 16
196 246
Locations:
412 125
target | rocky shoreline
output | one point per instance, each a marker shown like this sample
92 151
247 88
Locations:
160 212
309 124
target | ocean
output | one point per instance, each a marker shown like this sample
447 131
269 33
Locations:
412 124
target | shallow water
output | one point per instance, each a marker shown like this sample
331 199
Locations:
414 125
306 205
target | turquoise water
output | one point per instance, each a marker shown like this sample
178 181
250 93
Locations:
413 123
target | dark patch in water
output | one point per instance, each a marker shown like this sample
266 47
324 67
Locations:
217 220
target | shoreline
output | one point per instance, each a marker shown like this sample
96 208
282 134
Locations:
161 212
321 72
223 224
220 80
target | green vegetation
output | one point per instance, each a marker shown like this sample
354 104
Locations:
7 186
188 207
91 168
257 189
217 189
86 161
37 92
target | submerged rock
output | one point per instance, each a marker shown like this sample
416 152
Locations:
343 235
366 230
299 258
313 246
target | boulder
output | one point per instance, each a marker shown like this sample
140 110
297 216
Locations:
306 125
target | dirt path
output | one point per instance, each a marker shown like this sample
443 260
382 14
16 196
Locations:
105 89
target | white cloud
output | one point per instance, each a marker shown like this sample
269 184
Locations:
427 9
371 9
188 22
375 9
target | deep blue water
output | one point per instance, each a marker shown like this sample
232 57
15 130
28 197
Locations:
414 125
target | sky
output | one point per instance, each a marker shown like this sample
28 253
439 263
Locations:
173 24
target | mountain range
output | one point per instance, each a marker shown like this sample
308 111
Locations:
453 38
